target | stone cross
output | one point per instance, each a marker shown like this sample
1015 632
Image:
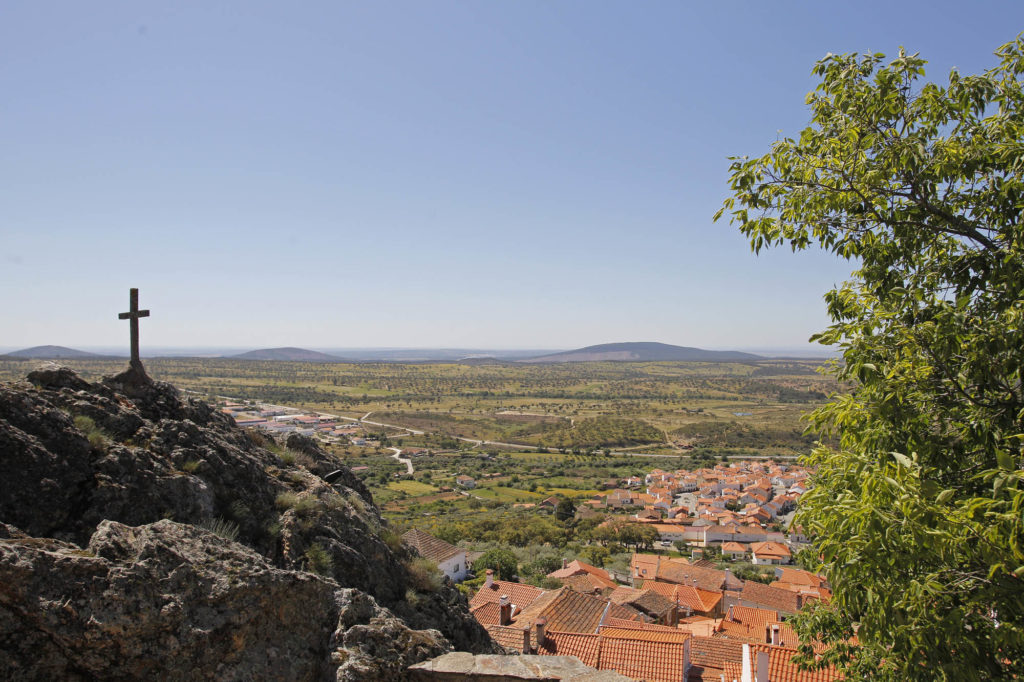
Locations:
134 314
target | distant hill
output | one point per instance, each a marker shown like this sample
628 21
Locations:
52 353
288 355
644 352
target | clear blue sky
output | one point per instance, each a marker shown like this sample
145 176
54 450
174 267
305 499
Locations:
492 174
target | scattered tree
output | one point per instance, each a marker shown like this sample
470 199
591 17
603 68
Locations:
501 561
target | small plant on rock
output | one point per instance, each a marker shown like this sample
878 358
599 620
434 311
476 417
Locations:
318 560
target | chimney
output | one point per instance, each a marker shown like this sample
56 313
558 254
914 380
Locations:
729 617
526 640
776 635
504 610
761 671
489 582
541 626
565 562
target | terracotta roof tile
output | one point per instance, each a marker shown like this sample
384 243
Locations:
623 594
519 594
702 601
577 567
782 669
644 635
570 611
508 637
764 596
636 625
754 617
636 658
799 576
650 661
705 578
587 583
487 613
430 547
583 647
710 656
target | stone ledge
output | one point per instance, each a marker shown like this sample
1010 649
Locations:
461 667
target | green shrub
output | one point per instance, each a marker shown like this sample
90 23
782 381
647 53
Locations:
318 560
424 575
84 424
306 505
286 501
391 539
191 466
97 439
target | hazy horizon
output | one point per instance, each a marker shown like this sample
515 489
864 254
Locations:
222 351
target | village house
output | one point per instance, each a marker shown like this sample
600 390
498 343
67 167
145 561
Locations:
450 559
770 553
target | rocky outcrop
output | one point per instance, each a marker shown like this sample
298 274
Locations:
146 535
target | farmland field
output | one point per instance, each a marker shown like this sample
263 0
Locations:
578 425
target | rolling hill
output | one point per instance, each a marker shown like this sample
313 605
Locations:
288 355
52 353
644 352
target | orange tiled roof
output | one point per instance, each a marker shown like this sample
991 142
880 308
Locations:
519 594
430 547
821 593
686 595
739 632
582 646
640 634
576 567
636 625
710 656
782 669
588 584
571 611
487 613
764 596
652 603
787 636
705 578
799 576
623 595
508 637
642 660
639 659
644 565
770 549
755 617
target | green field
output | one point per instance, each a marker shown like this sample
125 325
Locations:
581 419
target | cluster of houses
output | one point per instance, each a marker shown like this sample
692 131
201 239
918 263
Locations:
738 508
675 620
286 420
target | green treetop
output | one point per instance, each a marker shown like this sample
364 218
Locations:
918 511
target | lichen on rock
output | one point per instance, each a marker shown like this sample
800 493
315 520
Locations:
108 569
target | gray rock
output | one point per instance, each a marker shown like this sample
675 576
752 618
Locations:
97 582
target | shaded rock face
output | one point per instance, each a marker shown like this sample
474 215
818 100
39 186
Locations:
107 570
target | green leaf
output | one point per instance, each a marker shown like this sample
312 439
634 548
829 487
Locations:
1004 459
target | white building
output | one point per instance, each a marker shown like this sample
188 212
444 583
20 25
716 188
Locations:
449 558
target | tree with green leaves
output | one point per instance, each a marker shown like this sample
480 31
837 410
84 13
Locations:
566 510
502 561
917 511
